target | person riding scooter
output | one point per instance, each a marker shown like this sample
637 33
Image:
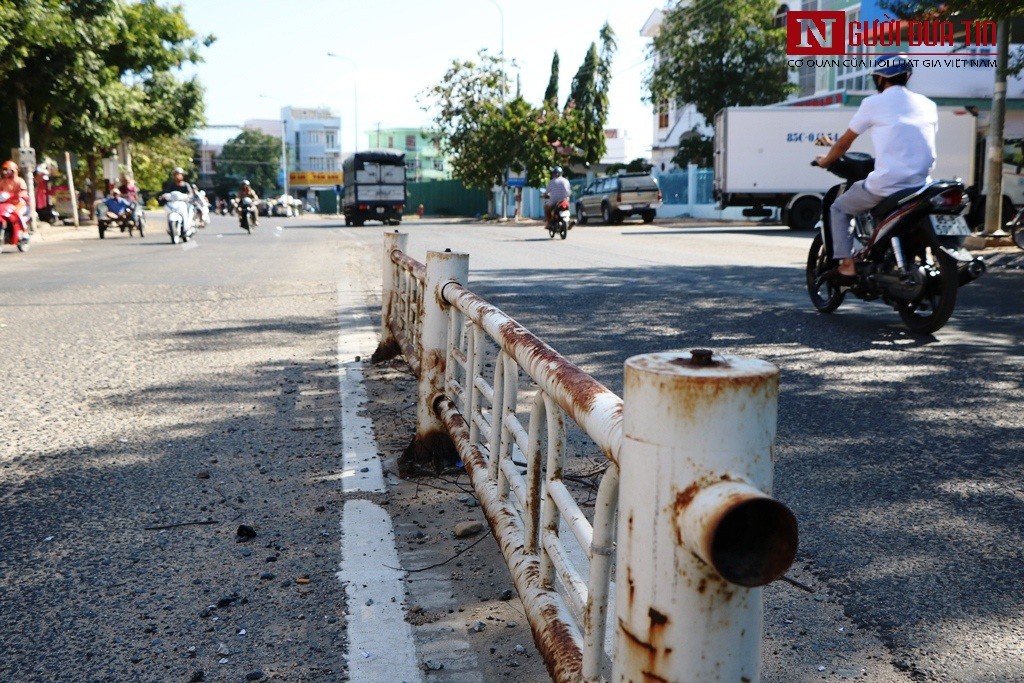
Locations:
12 185
130 191
246 192
177 183
903 126
558 190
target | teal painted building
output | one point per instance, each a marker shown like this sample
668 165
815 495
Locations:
423 157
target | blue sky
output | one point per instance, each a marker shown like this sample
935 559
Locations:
400 48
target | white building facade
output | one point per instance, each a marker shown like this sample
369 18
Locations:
313 137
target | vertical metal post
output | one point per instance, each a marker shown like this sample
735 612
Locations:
388 346
510 403
25 142
432 442
691 186
697 534
284 156
71 187
476 337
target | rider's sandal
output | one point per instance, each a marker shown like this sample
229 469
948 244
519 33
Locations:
837 278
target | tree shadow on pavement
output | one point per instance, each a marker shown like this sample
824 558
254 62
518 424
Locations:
899 454
120 558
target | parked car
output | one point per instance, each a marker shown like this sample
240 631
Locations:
615 198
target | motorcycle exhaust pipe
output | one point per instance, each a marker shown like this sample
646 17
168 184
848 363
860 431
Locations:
974 269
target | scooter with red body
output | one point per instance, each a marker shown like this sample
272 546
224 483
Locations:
12 224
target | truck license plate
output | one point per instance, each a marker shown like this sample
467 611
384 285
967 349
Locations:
380 209
950 225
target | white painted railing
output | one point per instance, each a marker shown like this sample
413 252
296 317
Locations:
697 536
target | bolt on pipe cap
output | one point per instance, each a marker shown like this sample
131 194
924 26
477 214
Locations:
702 363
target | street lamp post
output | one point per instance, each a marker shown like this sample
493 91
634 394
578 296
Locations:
501 15
284 159
504 87
355 94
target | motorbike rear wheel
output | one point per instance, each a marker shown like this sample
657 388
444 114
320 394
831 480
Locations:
563 231
825 295
933 309
1017 229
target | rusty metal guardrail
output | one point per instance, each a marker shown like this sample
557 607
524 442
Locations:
402 310
689 530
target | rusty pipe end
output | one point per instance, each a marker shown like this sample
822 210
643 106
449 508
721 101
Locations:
747 537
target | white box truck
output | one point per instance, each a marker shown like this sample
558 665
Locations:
763 157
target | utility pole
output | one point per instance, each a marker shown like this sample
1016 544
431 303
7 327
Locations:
24 143
71 187
994 173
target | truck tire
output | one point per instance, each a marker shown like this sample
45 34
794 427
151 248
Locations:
804 213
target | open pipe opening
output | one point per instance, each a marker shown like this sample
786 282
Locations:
755 542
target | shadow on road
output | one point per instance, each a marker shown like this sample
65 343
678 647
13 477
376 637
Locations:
899 454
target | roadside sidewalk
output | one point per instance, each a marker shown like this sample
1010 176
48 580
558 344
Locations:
57 233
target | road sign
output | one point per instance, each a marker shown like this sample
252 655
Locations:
26 156
514 179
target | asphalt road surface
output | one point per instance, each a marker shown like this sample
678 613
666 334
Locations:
134 368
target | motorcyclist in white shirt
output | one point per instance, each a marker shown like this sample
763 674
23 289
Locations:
557 190
903 125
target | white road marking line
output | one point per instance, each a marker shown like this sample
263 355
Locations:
380 641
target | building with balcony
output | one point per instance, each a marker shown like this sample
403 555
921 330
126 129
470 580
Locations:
423 157
671 120
313 148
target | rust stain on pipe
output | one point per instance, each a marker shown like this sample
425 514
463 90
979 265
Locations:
403 260
557 640
588 402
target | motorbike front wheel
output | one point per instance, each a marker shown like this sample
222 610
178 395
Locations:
933 309
825 295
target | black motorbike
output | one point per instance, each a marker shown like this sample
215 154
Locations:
911 256
247 214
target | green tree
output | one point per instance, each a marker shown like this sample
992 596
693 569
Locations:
93 73
153 160
719 53
588 100
978 9
251 155
694 148
468 96
973 9
485 136
551 92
